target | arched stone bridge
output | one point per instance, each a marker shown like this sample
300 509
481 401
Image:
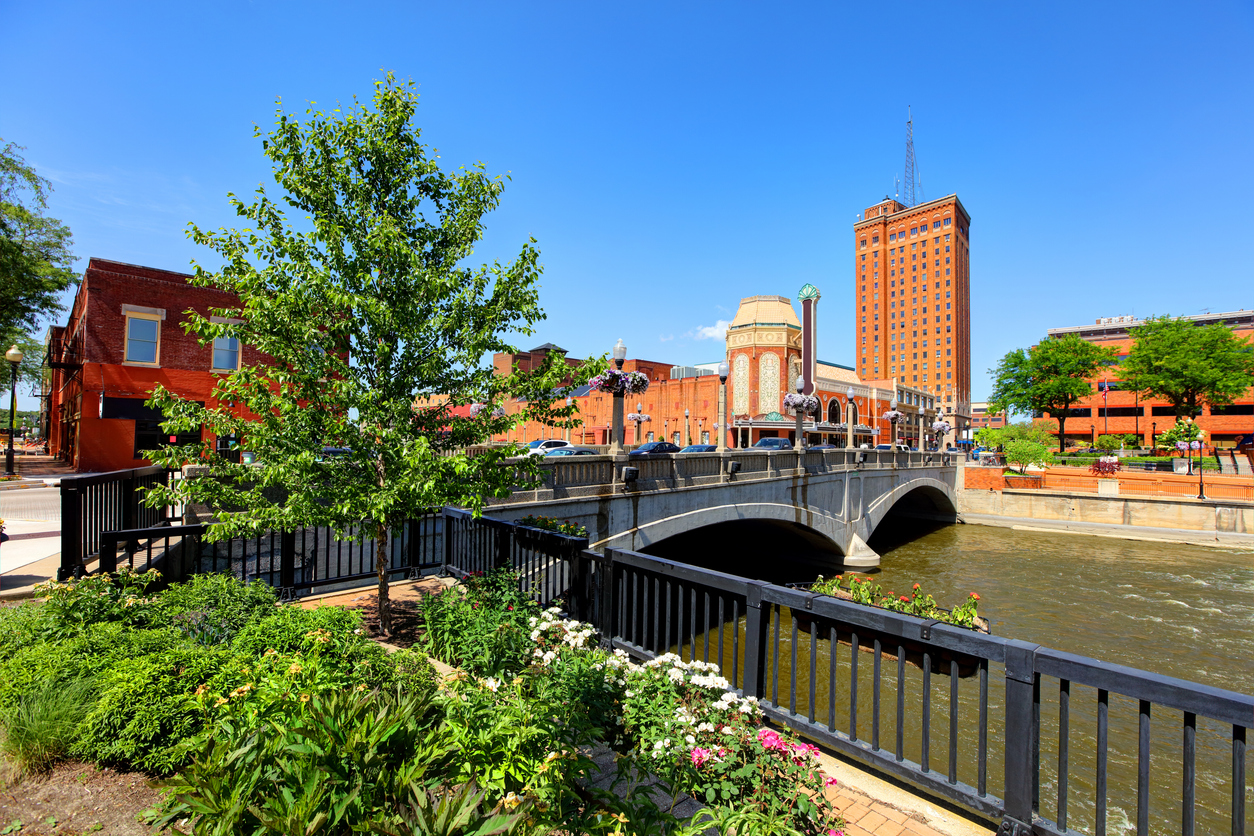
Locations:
842 495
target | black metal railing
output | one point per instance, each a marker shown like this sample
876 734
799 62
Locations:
95 503
963 715
543 559
298 563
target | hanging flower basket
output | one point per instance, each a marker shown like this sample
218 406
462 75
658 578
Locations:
807 404
477 408
639 417
614 382
941 427
892 416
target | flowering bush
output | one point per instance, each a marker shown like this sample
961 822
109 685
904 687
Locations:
806 404
553 524
71 605
1105 466
922 605
615 382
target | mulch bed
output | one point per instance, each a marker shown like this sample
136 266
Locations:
78 798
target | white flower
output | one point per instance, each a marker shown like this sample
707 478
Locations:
492 684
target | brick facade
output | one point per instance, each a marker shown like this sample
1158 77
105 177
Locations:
95 399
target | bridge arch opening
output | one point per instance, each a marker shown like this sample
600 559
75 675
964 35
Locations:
769 550
915 514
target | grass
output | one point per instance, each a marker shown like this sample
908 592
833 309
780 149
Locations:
39 730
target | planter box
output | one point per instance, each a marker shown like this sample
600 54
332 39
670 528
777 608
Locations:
1024 481
1179 465
889 644
1107 487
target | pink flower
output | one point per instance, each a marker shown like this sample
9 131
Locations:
829 781
835 833
701 756
769 739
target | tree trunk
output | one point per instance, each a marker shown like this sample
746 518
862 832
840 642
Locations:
381 562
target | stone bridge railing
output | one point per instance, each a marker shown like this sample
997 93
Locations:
589 476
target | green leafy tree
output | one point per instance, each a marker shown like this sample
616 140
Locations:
1025 453
1048 377
1107 443
1040 431
36 262
374 333
1188 365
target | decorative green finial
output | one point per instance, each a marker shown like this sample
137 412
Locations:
808 292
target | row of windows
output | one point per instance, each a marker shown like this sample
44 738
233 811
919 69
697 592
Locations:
914 230
143 344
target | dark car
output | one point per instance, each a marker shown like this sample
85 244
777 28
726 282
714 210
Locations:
699 448
570 451
773 444
823 447
654 447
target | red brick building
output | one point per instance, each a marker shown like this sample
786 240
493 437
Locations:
912 292
768 349
1113 410
981 417
124 335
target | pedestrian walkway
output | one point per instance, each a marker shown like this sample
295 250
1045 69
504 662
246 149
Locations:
32 551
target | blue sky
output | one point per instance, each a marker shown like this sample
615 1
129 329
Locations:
673 158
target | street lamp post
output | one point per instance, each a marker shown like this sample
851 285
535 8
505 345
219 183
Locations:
800 444
721 426
687 430
619 354
1189 455
892 407
849 393
14 356
569 401
639 411
1201 491
1153 435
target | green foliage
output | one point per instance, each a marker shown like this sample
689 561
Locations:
481 626
412 672
1025 454
553 524
919 604
457 812
377 331
1040 431
1188 365
36 262
39 730
71 605
1048 377
212 608
1182 430
1107 443
332 763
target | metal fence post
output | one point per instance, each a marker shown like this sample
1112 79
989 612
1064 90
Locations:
287 564
128 502
447 535
756 624
1022 731
605 597
108 555
71 530
413 530
504 537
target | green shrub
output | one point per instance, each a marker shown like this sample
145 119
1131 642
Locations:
41 728
72 605
212 608
146 709
412 672
20 626
482 626
349 656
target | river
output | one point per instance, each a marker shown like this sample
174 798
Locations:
1182 611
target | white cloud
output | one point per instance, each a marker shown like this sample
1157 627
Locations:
662 339
717 331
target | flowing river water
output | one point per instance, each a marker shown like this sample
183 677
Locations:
1182 611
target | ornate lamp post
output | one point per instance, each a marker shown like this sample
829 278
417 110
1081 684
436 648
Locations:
849 393
569 401
800 445
1188 423
687 430
619 353
723 369
893 417
639 420
1197 445
14 356
940 427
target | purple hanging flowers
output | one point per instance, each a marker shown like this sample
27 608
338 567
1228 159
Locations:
614 382
892 416
806 404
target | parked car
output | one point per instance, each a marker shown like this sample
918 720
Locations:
823 447
773 444
570 451
542 446
699 448
654 447
882 447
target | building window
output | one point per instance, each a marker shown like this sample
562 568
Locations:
875 239
936 224
225 354
947 220
149 436
863 243
914 230
892 237
143 338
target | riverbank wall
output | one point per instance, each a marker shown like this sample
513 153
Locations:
1226 523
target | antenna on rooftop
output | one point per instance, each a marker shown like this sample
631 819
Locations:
914 184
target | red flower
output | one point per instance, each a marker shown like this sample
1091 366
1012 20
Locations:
905 599
916 586
975 595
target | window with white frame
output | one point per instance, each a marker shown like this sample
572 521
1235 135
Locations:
225 354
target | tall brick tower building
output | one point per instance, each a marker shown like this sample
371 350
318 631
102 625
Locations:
912 306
